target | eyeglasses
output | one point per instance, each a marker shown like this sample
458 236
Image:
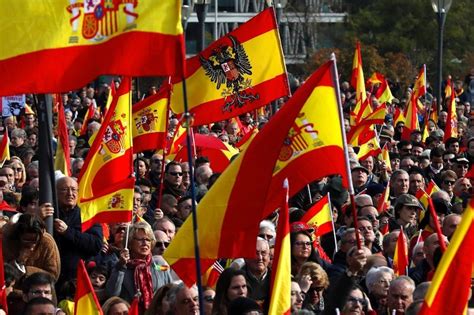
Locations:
354 300
462 166
302 243
449 182
142 240
180 174
120 230
316 289
162 244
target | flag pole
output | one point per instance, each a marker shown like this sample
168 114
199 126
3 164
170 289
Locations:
47 190
165 148
188 119
335 77
308 189
332 222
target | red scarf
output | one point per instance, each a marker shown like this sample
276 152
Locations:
143 279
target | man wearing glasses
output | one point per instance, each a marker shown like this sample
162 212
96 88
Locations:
72 243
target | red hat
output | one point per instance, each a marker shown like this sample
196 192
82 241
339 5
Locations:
300 226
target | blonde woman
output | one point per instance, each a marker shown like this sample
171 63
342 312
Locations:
19 169
313 281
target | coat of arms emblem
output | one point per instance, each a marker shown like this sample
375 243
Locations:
101 18
228 65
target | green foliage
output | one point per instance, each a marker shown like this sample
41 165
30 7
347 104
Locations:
397 36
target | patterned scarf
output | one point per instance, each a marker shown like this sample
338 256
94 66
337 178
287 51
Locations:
143 279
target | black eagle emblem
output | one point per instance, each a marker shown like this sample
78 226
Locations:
228 65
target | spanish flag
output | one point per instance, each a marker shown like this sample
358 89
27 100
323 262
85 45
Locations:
419 89
384 203
450 286
383 93
358 135
150 118
451 128
238 73
314 146
370 148
400 257
411 118
110 96
62 160
106 181
280 300
85 301
424 195
385 157
56 46
4 147
229 214
319 216
362 108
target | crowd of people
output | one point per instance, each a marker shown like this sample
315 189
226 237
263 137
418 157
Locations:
326 277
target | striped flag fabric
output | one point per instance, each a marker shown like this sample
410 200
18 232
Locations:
400 256
362 108
451 128
62 160
419 89
85 301
5 147
450 287
238 73
319 216
150 120
230 212
280 297
106 180
383 94
370 148
87 39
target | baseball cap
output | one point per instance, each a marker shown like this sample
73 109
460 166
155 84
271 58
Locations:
359 167
407 200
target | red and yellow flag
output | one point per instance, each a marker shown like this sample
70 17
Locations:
364 130
62 160
4 147
419 89
314 136
400 257
385 157
383 94
106 181
229 214
280 298
319 216
370 148
451 129
423 195
85 301
87 39
150 118
384 202
411 118
450 286
236 74
362 108
110 96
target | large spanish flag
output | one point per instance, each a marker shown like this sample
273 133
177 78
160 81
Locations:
150 118
451 128
314 146
62 160
319 216
85 301
229 214
419 89
238 73
106 181
56 46
280 301
450 286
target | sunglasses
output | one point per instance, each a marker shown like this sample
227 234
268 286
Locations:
180 174
449 182
162 244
